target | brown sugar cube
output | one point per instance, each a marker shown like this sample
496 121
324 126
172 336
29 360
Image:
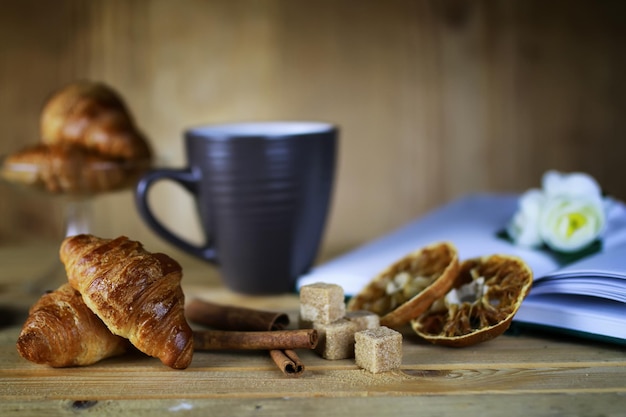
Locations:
321 303
336 340
363 319
378 350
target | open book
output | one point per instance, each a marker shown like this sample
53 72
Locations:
587 297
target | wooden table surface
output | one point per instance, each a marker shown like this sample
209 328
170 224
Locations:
513 375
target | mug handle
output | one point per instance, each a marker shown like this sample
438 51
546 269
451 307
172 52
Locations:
188 180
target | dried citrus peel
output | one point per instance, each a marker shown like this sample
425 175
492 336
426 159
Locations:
485 296
408 287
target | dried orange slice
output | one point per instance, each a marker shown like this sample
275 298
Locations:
408 287
486 295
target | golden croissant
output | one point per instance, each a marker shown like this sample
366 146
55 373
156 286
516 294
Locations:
62 331
136 293
92 115
67 168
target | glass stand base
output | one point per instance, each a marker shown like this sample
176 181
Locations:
78 219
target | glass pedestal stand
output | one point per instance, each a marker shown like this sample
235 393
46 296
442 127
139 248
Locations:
77 219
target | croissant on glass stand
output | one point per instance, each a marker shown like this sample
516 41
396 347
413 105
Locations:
62 331
136 293
67 168
89 144
92 115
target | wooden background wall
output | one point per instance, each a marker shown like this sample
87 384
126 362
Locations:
435 99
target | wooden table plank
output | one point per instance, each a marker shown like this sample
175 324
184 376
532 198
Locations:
553 405
252 375
212 384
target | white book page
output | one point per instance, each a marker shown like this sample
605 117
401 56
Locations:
578 313
610 288
610 263
602 275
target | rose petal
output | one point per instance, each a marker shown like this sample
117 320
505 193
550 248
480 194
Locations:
531 202
574 184
524 226
524 231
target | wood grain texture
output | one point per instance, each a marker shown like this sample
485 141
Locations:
554 405
435 98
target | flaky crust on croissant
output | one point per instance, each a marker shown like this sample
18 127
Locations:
62 331
94 116
136 293
68 168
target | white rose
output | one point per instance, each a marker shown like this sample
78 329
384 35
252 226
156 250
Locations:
567 214
569 224
524 227
576 184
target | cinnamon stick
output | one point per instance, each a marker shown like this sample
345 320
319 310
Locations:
287 361
245 328
225 317
270 340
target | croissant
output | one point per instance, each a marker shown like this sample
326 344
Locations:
94 116
62 331
136 293
67 168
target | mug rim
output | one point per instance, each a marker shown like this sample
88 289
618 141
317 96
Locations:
268 129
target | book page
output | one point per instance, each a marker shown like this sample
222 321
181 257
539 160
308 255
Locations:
610 263
600 275
578 313
604 287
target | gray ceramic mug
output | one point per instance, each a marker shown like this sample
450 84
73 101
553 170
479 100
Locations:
262 192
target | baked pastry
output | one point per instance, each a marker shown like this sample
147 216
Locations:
94 116
136 293
408 287
62 331
67 168
486 294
